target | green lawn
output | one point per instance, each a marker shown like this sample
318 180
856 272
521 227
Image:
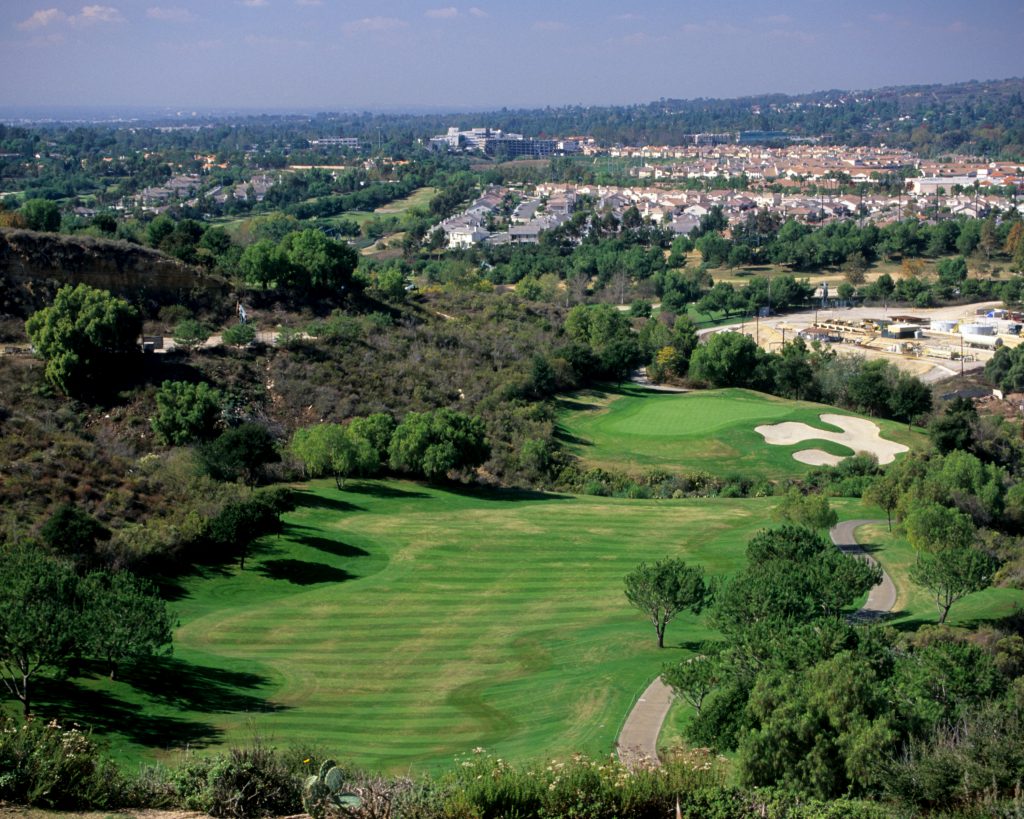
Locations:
398 625
914 605
708 430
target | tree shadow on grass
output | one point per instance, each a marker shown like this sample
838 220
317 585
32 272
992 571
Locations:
322 544
303 572
305 499
106 714
575 405
566 437
502 494
193 687
378 490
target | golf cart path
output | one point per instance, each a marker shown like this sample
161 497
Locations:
638 741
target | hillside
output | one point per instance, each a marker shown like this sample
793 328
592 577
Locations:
33 265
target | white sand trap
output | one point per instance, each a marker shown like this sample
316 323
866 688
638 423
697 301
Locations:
816 457
858 434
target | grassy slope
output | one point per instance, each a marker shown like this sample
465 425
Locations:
398 625
711 431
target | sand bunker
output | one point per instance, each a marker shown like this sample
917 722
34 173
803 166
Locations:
858 434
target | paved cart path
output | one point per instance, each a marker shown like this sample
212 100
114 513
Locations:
638 741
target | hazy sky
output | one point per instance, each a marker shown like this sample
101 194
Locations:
339 54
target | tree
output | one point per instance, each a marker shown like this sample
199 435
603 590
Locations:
123 619
190 334
185 412
728 359
665 589
73 534
909 398
239 452
319 264
85 335
817 731
693 678
41 214
435 443
241 522
39 610
951 574
239 335
263 264
812 511
332 449
954 429
932 528
885 490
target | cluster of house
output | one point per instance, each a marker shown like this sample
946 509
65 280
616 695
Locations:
551 204
185 189
527 221
796 164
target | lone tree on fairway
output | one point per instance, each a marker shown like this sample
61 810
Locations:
952 574
663 590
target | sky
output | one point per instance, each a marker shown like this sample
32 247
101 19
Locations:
332 55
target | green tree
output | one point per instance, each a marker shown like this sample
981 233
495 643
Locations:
812 511
123 619
263 264
185 412
239 523
818 731
239 335
663 590
951 574
73 534
954 428
729 359
332 449
693 678
84 335
190 334
377 430
39 618
435 443
239 453
909 398
319 264
885 490
41 214
932 528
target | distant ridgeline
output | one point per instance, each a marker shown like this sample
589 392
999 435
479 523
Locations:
980 118
33 265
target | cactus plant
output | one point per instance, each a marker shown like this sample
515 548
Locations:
325 790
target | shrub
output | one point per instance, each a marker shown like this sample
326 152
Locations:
239 335
244 782
42 763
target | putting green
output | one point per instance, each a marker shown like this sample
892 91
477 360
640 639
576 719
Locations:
709 430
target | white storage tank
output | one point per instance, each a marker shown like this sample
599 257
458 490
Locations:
977 330
942 326
975 340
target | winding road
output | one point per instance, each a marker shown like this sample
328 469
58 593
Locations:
638 741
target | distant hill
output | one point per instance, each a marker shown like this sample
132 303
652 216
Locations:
34 265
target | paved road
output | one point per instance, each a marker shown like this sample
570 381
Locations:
882 598
638 740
